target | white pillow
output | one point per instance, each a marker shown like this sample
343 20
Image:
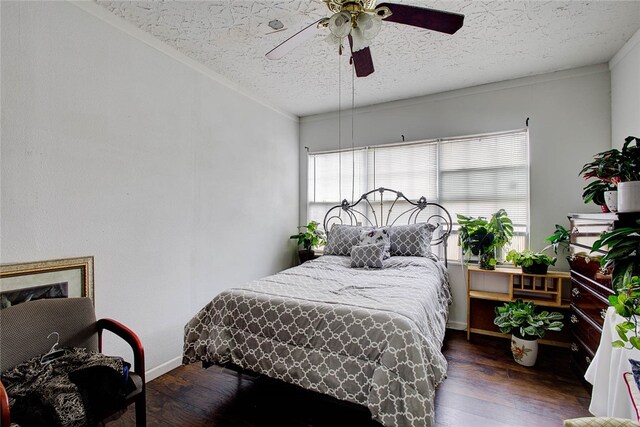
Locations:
375 236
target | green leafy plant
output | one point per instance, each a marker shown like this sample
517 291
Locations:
559 239
623 253
629 161
605 166
527 258
594 192
310 238
479 236
520 319
627 305
609 168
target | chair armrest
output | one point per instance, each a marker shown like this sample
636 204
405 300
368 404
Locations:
5 416
129 336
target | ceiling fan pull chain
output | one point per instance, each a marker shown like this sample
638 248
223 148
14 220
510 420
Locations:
353 148
339 127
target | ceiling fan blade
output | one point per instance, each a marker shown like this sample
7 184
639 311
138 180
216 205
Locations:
362 60
295 40
421 17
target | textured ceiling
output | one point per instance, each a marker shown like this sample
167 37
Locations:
500 40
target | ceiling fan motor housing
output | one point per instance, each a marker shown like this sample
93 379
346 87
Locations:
351 6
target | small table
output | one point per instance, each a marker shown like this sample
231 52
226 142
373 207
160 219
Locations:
611 396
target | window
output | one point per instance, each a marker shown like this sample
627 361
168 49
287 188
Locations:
474 175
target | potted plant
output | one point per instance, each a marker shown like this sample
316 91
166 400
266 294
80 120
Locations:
599 192
520 319
623 254
605 167
615 170
312 237
531 262
481 237
561 238
629 185
627 304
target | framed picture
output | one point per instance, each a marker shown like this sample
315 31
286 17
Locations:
58 278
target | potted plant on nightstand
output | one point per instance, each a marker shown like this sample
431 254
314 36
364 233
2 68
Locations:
531 262
481 237
309 239
520 319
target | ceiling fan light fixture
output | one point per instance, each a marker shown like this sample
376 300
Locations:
359 42
369 25
340 24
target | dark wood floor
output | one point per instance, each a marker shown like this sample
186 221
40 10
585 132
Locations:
484 387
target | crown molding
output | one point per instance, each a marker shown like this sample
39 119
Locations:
628 46
472 90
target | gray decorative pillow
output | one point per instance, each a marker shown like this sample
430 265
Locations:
342 238
368 256
375 236
412 239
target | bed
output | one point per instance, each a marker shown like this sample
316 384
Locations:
371 336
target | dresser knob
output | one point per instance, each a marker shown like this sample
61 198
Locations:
588 359
574 347
575 292
574 319
603 313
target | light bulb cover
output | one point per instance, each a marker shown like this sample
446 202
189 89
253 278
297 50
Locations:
358 42
340 24
369 25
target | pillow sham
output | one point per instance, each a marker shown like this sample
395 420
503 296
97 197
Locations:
367 256
342 238
375 236
411 239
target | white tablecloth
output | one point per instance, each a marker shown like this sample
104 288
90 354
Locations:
610 396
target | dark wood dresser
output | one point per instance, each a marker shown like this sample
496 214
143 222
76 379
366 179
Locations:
590 285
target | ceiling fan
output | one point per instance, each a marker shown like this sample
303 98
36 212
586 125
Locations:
360 21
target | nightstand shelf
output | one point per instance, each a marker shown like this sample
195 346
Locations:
488 289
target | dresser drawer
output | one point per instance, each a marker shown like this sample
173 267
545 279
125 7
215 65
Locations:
591 304
581 355
585 330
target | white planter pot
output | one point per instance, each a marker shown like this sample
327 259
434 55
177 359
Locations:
629 196
525 352
611 199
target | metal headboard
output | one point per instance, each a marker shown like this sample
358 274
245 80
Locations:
355 215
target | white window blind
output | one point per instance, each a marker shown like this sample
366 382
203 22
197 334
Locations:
474 176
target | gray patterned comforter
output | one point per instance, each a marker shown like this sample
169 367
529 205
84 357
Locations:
372 337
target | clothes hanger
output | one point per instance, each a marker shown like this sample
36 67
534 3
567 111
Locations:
53 354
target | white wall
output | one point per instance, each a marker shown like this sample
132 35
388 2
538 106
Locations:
179 185
569 115
625 92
